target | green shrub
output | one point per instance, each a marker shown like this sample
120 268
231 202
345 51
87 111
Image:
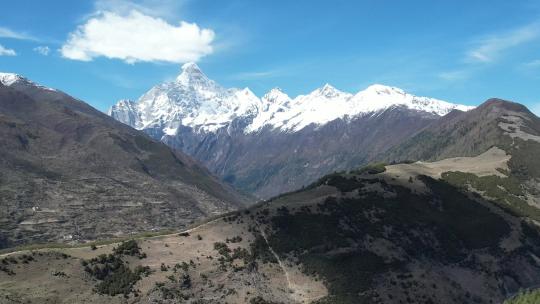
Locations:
115 275
260 300
163 267
121 281
343 183
507 192
374 168
130 248
236 239
222 249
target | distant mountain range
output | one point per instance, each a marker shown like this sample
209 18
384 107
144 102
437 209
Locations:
274 144
71 173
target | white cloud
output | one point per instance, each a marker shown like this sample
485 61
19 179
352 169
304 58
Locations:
454 75
137 37
533 64
7 52
157 8
7 33
490 48
253 75
43 50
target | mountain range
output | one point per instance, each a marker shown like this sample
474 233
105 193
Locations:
449 214
270 145
68 172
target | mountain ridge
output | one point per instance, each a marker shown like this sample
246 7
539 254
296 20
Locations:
374 98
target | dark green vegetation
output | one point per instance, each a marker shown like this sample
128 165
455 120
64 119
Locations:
260 300
130 248
507 192
525 297
371 169
7 263
344 181
356 242
525 162
522 181
115 276
228 256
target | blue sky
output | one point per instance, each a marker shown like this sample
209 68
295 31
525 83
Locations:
101 51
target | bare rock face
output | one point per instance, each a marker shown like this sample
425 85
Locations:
69 172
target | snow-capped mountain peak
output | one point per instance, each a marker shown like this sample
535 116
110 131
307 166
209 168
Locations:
126 104
193 76
191 67
328 91
378 97
8 79
384 90
276 96
193 100
125 110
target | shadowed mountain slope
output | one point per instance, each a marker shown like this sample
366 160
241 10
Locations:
68 171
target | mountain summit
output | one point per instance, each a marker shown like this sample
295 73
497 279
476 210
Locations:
193 76
8 79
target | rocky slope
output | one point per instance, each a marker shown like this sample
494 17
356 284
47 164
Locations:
274 144
69 172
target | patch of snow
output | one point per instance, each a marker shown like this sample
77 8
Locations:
9 79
